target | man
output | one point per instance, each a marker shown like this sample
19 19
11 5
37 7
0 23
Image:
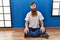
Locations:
34 25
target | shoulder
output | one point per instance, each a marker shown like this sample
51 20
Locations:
29 13
39 13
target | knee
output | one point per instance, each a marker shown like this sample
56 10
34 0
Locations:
37 33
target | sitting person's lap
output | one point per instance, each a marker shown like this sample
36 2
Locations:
34 32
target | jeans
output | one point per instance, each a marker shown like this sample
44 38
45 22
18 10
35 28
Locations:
34 32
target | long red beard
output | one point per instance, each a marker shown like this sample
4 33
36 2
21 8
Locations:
34 12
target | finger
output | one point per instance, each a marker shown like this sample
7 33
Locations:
28 30
24 31
40 30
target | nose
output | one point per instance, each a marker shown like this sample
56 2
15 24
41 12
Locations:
34 7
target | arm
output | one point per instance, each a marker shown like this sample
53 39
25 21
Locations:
42 26
26 24
26 27
41 18
41 23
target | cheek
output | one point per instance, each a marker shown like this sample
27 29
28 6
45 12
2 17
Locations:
33 7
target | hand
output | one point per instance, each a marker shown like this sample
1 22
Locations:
26 30
42 29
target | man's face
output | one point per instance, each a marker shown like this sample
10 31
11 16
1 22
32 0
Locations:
33 7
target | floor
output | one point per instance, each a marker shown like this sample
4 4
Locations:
19 35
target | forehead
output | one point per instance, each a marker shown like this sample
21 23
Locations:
33 4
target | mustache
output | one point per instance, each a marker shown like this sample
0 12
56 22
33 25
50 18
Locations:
33 9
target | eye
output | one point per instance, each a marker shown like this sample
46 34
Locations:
34 5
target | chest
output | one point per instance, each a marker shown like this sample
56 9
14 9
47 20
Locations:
34 18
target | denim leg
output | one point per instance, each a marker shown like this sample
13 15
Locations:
35 32
38 32
30 33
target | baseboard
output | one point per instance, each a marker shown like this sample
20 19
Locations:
21 29
11 29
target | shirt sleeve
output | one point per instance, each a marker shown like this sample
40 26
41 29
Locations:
27 17
40 16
